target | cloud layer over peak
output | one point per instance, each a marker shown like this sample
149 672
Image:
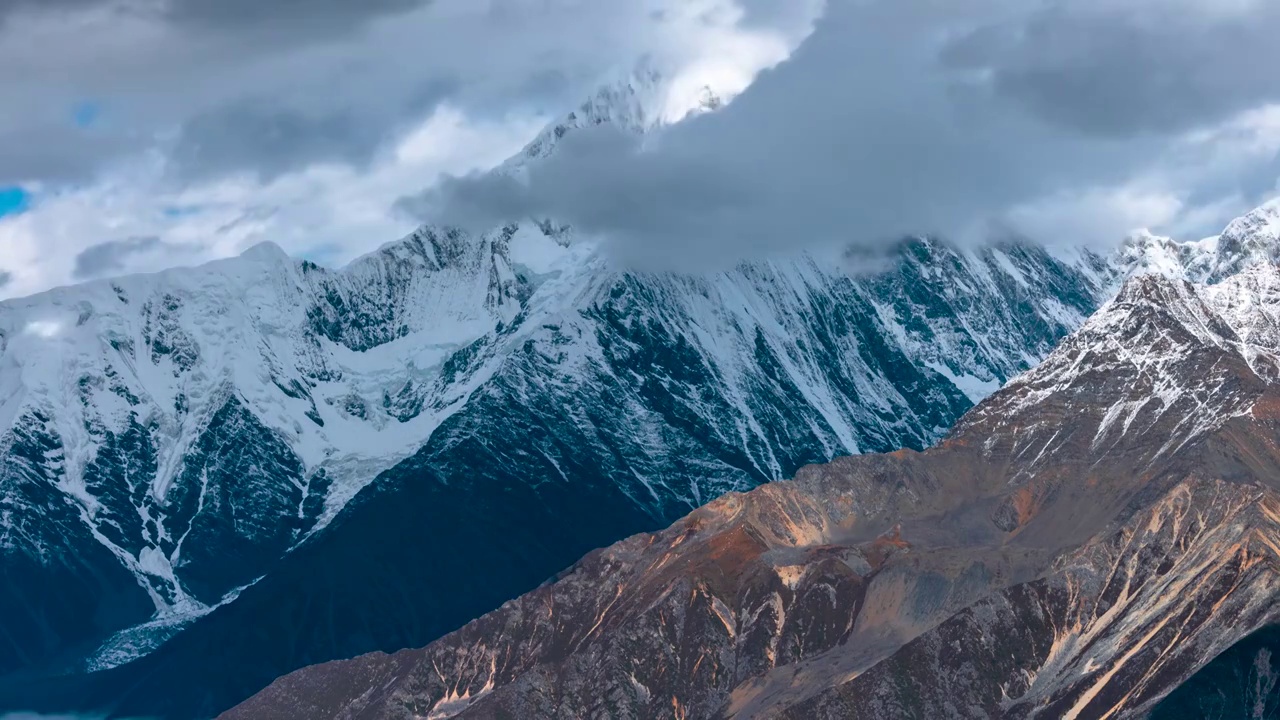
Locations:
923 116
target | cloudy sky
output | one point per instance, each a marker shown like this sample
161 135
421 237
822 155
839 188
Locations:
1067 121
137 134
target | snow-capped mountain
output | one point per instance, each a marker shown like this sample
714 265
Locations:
638 106
1079 545
188 428
366 458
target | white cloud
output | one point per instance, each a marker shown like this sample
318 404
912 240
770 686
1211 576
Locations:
1094 217
330 212
726 54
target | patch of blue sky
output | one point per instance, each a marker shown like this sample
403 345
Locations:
86 114
174 212
14 201
324 255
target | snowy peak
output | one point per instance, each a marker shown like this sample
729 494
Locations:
1249 240
266 252
1165 357
635 105
1250 303
1238 313
1161 302
1072 551
130 391
1144 252
521 361
1253 238
1263 221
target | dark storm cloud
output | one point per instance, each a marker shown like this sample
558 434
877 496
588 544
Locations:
881 124
305 14
271 140
6 277
187 51
9 8
1125 68
600 179
297 16
55 151
111 257
777 13
302 80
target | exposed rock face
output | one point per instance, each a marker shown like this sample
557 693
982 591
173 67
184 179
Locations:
1081 543
1114 627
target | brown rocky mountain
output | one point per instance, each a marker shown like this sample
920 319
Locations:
1081 543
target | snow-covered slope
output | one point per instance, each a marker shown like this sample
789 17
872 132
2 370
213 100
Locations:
197 423
637 105
1141 347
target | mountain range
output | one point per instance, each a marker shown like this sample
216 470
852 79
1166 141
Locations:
1078 546
213 476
